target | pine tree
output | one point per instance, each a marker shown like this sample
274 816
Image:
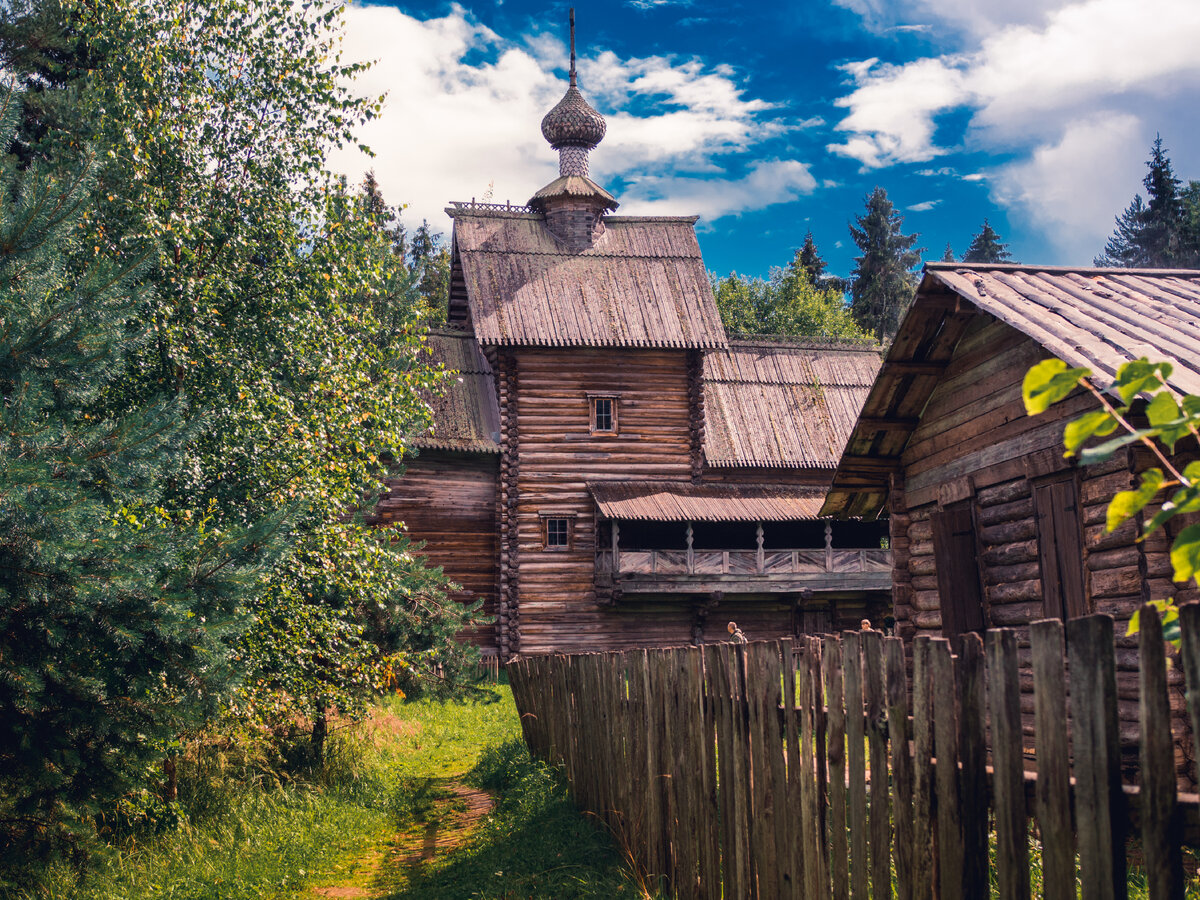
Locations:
986 247
883 282
948 255
1154 233
117 614
811 260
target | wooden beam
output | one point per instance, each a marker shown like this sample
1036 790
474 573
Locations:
905 367
885 465
883 423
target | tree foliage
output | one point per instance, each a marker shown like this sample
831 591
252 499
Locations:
272 315
986 247
423 252
1096 436
118 605
788 304
882 281
1162 231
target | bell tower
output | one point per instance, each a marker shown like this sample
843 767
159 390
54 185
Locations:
573 204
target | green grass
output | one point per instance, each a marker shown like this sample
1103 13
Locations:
534 845
271 843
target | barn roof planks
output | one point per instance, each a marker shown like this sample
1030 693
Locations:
1098 318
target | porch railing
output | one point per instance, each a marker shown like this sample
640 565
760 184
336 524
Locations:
742 562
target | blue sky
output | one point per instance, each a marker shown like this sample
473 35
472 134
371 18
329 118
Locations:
769 120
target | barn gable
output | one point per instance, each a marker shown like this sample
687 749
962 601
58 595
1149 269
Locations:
1098 318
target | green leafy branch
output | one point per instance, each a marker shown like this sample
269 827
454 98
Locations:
1168 419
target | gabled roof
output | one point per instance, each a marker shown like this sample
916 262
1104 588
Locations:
466 415
773 403
643 283
682 501
1098 318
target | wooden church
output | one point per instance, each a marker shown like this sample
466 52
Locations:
610 469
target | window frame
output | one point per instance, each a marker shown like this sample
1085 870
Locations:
593 398
569 520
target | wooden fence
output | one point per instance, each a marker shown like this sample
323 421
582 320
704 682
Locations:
835 767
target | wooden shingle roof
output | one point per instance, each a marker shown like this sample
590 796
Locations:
682 501
643 283
466 414
771 403
1095 318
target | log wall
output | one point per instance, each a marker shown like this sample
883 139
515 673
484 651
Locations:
556 598
975 443
448 501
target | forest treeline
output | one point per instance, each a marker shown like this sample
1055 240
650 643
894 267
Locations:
801 299
210 355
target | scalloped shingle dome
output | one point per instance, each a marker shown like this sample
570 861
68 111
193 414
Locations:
573 122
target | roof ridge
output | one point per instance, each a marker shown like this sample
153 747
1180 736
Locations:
813 342
1058 270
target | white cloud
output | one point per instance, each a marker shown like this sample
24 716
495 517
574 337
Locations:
1029 91
923 206
892 110
967 16
450 128
1070 189
1025 80
768 182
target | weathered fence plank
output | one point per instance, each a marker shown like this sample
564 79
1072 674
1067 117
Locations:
1053 761
972 757
881 821
1012 845
923 831
836 753
1098 797
902 775
856 764
1160 824
794 809
1189 653
945 746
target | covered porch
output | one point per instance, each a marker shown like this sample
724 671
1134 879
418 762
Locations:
676 538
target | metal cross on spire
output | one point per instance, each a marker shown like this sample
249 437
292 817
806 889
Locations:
572 18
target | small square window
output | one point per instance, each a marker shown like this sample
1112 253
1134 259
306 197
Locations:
558 533
604 414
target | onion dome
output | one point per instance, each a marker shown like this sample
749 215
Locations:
573 122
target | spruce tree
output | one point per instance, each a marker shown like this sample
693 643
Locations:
948 254
883 281
811 260
986 247
1153 233
116 613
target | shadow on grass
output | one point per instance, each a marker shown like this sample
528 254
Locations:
533 845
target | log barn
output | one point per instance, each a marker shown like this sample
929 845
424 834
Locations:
990 525
610 469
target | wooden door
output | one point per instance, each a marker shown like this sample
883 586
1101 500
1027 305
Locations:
1060 547
955 551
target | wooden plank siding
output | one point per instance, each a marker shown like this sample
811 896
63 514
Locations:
448 501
